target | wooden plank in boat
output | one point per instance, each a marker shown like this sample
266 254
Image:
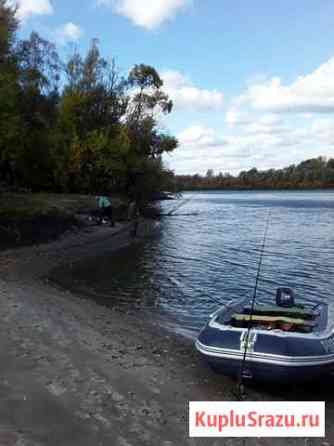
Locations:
274 310
282 319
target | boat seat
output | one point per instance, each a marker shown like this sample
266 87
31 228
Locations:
274 310
272 319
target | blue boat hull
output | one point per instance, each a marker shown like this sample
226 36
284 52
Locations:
269 372
270 355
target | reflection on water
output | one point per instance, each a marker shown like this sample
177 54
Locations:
208 254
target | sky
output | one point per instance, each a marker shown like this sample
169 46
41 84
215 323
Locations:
252 81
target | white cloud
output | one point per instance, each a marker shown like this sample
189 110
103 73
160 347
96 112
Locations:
322 130
265 124
312 93
236 117
200 137
270 125
267 142
202 148
186 95
147 13
28 8
69 32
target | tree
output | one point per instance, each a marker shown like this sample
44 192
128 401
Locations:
8 28
147 84
312 173
79 126
39 64
39 73
99 91
9 89
147 142
93 147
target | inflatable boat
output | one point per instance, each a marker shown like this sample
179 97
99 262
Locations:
281 341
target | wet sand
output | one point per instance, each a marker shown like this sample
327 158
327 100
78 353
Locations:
73 372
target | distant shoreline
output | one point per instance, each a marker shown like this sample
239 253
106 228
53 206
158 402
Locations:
318 189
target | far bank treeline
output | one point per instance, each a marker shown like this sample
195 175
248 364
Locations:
310 174
77 126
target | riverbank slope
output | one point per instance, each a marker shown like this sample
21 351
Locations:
76 373
30 218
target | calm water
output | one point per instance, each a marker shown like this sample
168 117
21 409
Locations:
208 253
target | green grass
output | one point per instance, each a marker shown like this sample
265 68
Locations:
15 205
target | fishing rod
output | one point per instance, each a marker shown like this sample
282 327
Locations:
178 206
241 391
190 214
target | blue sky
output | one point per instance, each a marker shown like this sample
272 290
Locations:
252 82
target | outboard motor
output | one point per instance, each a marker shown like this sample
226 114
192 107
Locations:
285 297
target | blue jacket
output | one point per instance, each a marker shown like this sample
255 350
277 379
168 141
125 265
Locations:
103 202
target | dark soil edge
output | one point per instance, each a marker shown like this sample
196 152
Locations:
17 232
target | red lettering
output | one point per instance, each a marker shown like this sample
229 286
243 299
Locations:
252 416
200 419
223 422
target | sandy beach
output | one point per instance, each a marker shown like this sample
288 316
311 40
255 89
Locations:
77 373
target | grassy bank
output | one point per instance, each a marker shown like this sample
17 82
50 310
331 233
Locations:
36 218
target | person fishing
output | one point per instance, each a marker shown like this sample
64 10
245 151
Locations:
104 205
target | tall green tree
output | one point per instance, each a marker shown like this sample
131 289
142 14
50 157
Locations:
94 141
39 76
10 123
78 126
147 141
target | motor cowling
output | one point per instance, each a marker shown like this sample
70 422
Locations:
285 297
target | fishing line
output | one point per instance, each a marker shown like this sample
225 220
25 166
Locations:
178 206
241 391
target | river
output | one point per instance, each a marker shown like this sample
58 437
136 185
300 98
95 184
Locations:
207 253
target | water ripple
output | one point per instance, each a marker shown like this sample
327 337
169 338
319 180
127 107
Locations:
209 255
